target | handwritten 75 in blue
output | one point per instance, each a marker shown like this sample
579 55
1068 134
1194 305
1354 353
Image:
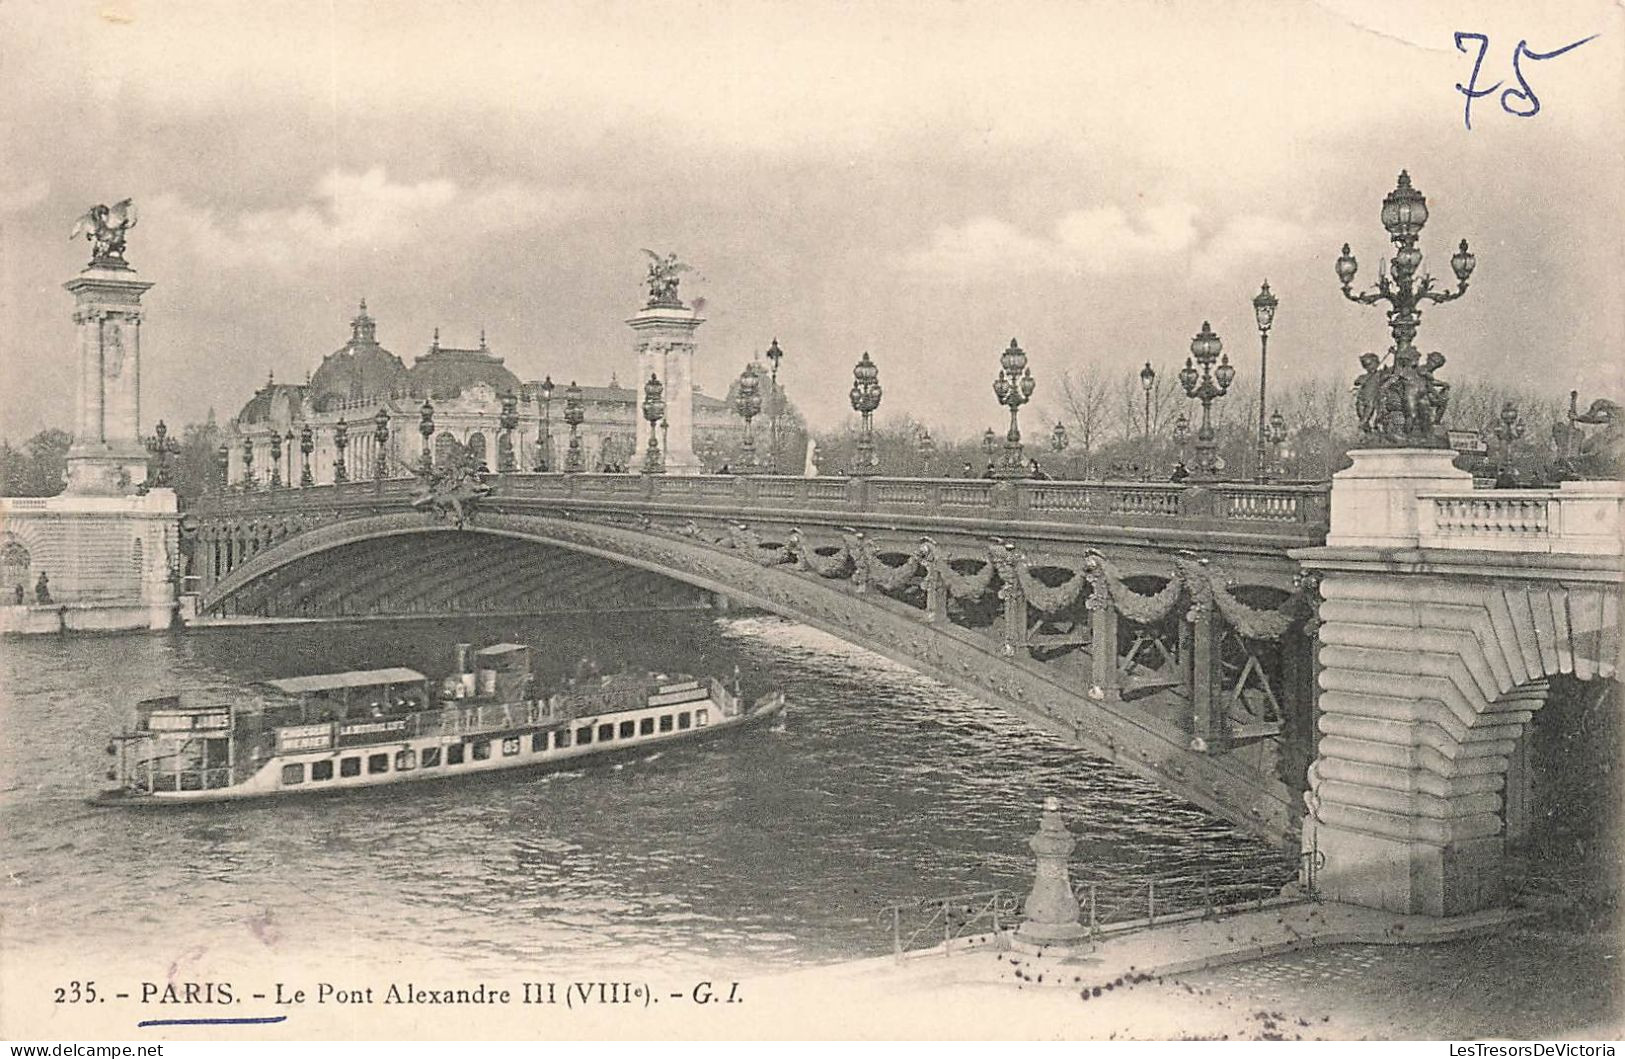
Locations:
1530 103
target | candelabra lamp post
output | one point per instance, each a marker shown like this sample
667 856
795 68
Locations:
1206 386
928 448
223 458
1275 434
544 446
1264 304
748 403
307 445
426 430
990 443
276 459
380 435
1013 386
287 447
654 411
248 465
1059 442
1148 382
1508 430
507 461
341 442
162 447
574 416
1182 438
774 354
865 398
1400 404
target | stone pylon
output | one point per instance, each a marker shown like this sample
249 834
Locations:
1051 909
108 456
664 342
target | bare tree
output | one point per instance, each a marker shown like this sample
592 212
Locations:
1086 408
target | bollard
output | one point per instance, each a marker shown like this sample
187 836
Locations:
1052 910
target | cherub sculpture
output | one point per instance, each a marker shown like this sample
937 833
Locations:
663 279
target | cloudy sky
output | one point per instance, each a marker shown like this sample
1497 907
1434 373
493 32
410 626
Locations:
920 180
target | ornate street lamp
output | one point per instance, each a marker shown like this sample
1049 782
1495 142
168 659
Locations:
380 435
1264 304
426 429
341 441
1206 386
1401 404
162 446
990 442
507 461
307 445
1275 435
654 410
544 448
248 464
775 354
865 399
574 415
928 448
1508 430
748 403
276 459
287 443
1182 437
223 458
1148 382
1013 386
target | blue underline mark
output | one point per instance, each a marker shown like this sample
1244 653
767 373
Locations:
262 1020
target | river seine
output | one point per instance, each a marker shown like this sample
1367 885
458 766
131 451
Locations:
771 848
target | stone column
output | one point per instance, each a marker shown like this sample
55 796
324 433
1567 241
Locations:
1052 909
664 342
108 456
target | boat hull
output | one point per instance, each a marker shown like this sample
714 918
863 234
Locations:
762 712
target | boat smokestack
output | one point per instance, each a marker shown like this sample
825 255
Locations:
465 658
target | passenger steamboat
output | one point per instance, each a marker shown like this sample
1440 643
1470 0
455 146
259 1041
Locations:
373 727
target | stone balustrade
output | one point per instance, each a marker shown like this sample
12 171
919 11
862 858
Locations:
1578 518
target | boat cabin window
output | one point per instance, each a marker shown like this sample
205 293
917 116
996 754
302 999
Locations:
321 770
405 760
627 729
646 726
431 757
350 766
606 732
561 738
377 763
683 719
292 774
701 718
454 754
584 735
665 722
510 746
482 750
538 742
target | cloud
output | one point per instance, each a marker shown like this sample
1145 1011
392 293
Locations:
358 212
17 199
1107 241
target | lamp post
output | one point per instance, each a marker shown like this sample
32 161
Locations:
654 410
1148 382
1206 386
865 398
1264 304
223 457
1508 430
574 415
307 445
928 448
1013 386
341 441
426 429
276 459
1275 435
162 446
287 446
1182 437
1401 405
748 403
507 460
248 464
1059 442
380 435
774 354
544 446
990 442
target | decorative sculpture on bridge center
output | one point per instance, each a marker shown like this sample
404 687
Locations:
1402 404
104 226
663 280
453 491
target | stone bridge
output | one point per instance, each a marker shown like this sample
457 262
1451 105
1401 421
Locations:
1161 626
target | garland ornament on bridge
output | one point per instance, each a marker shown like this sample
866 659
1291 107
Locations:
1401 404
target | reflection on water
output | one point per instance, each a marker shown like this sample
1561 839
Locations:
776 846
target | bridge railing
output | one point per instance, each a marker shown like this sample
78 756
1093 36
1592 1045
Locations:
1286 505
1577 518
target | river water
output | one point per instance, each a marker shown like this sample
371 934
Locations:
771 848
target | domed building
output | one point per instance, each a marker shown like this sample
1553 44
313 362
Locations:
363 404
